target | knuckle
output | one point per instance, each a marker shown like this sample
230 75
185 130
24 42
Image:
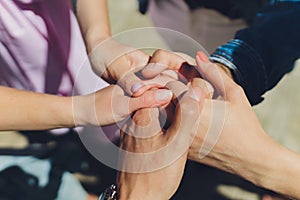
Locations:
159 52
162 56
236 90
148 98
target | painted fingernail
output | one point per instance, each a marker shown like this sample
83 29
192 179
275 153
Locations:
163 95
202 56
136 87
201 65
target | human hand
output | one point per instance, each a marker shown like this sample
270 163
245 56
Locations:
110 105
151 153
180 63
117 64
229 135
163 60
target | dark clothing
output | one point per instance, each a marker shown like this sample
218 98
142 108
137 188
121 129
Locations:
261 54
234 9
143 6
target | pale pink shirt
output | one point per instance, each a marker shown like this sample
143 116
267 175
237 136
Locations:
42 48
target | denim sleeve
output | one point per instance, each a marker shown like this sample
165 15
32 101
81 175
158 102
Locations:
261 54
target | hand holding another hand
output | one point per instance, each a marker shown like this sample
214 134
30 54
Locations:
111 105
133 70
228 135
240 145
152 158
117 64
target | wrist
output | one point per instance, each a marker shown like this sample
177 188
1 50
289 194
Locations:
94 37
81 106
125 194
136 190
138 195
225 69
62 112
130 190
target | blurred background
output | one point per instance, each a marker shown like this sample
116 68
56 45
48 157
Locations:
279 114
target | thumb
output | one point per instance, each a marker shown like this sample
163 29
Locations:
223 84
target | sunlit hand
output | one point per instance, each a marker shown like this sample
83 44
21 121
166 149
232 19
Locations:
111 105
117 64
162 60
181 64
153 159
229 135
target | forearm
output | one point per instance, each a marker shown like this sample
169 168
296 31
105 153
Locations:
285 172
94 21
272 166
252 154
22 110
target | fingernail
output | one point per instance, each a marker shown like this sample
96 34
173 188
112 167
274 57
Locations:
136 87
195 94
163 95
210 88
201 64
202 56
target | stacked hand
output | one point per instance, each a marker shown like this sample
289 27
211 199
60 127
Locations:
227 133
220 122
154 158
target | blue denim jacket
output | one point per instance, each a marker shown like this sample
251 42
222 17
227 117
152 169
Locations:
261 54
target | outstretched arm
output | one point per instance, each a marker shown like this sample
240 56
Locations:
23 110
